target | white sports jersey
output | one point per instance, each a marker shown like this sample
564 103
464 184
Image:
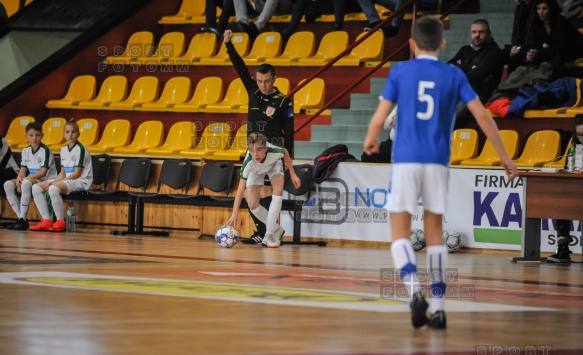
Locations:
5 149
33 161
272 156
77 157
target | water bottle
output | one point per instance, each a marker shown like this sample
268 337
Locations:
571 159
71 216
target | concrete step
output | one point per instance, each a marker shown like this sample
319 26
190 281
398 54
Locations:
489 6
338 133
364 101
377 85
351 117
309 150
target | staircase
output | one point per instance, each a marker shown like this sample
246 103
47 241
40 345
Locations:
349 126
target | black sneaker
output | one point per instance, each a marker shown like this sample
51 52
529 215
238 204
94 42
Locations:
256 238
20 225
561 256
418 310
437 320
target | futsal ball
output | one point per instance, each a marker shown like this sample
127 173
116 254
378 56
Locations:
417 239
452 240
226 236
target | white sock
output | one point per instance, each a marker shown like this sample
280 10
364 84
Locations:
56 201
41 202
437 261
10 189
273 214
261 214
405 262
25 197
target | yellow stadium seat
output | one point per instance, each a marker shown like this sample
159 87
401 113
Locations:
371 49
311 96
144 90
266 45
114 88
214 137
150 134
237 149
180 137
171 45
140 44
16 133
558 112
489 157
464 145
208 91
176 91
188 9
52 132
541 147
560 163
202 45
332 44
235 97
240 41
11 6
81 88
88 133
115 134
300 45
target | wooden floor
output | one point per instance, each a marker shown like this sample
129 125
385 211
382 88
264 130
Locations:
92 293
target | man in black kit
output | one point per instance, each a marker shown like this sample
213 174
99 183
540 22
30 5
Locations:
270 113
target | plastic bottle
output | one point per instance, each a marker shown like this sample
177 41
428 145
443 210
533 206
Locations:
571 159
71 216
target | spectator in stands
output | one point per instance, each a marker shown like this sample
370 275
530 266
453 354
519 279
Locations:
482 62
38 164
563 254
8 167
76 175
552 38
372 15
520 29
270 113
264 9
313 9
264 159
227 10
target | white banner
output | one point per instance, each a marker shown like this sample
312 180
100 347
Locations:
484 207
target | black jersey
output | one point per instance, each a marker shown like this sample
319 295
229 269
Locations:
271 115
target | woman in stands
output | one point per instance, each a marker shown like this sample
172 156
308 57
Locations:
552 38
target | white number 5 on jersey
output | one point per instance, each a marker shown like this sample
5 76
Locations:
424 97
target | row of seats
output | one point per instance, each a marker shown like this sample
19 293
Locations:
542 149
300 49
215 143
193 12
208 96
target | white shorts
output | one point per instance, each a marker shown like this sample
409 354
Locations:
259 180
410 181
77 185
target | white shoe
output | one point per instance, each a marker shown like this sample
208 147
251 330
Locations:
270 241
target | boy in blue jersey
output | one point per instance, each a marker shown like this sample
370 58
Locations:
262 159
427 92
76 175
38 164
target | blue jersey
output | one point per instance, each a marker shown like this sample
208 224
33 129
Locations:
427 92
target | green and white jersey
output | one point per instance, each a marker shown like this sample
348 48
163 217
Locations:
77 157
272 157
33 161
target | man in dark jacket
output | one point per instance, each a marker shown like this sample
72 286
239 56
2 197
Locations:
482 62
270 113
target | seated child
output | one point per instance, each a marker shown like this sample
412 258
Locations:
262 159
76 175
38 164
